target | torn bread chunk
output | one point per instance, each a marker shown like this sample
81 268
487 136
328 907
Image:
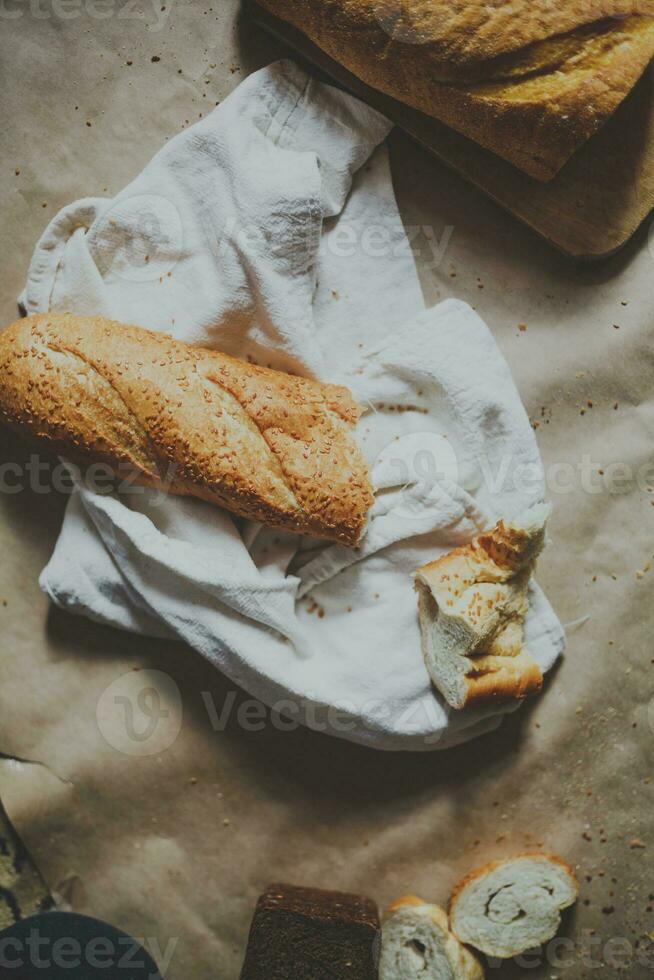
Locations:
510 906
472 605
417 943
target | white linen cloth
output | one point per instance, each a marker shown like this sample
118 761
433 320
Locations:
270 230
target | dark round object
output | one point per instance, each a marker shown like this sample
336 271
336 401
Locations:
67 946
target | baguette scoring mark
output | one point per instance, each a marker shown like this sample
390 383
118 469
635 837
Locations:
229 401
145 458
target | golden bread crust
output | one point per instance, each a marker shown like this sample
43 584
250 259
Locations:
505 680
530 80
265 445
404 902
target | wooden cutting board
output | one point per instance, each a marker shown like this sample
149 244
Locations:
590 209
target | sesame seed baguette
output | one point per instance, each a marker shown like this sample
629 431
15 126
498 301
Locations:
264 445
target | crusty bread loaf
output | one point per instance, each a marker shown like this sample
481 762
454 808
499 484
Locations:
472 604
417 945
264 445
510 906
531 80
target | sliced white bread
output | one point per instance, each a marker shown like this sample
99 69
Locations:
472 605
417 945
510 906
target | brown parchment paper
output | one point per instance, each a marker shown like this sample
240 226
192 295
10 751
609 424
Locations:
173 837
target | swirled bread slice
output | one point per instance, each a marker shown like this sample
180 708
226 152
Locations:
417 945
530 80
262 444
510 906
472 604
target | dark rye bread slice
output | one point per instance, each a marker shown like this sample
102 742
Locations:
308 934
